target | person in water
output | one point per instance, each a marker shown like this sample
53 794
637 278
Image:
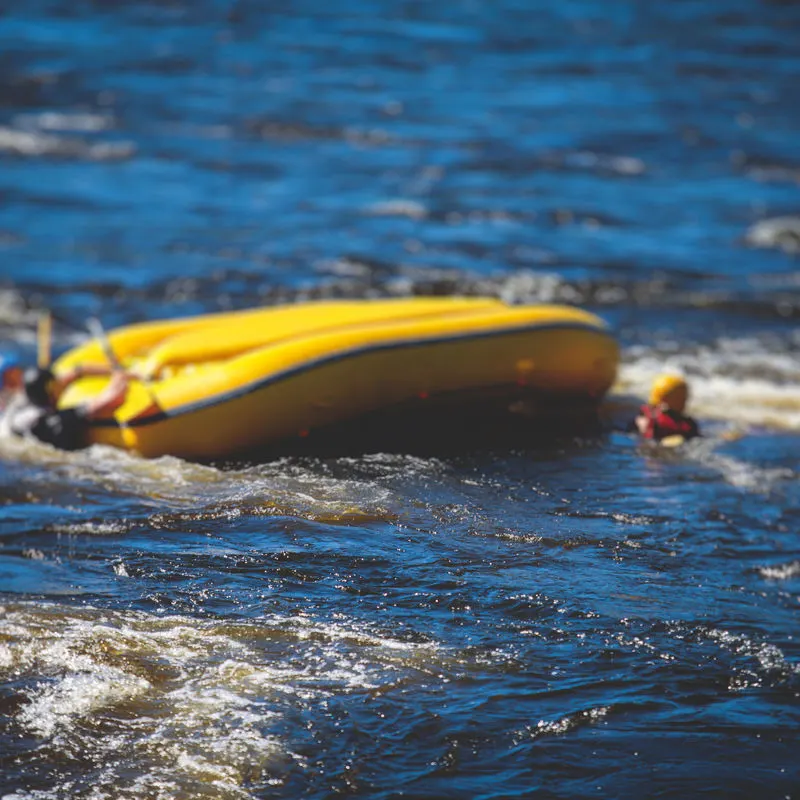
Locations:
28 399
663 415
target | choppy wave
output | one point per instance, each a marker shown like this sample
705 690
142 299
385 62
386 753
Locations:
77 122
17 318
172 707
735 471
276 488
781 572
188 492
38 144
125 704
782 233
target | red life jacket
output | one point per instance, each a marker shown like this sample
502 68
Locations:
665 422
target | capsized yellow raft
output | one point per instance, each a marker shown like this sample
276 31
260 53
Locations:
222 384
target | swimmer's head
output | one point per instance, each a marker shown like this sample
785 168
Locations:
671 391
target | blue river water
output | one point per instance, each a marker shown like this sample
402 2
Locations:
584 618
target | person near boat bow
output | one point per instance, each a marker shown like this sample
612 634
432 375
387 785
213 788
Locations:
29 396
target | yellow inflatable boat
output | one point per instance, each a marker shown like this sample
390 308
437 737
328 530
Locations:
223 384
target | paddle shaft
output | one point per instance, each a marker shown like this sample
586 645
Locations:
98 331
43 340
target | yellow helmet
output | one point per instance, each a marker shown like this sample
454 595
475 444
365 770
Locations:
671 390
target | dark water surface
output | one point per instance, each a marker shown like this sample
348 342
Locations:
583 618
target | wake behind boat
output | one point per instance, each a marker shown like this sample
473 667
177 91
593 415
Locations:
223 384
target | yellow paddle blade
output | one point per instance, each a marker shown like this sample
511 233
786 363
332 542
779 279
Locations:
676 440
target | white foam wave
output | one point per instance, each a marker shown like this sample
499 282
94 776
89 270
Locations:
769 658
15 314
76 696
278 487
523 286
184 707
33 144
398 208
781 572
28 450
742 474
620 165
780 232
532 287
110 528
563 724
61 121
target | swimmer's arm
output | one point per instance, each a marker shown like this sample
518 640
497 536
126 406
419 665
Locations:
85 371
109 400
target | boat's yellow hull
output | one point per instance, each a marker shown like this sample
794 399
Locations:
224 384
